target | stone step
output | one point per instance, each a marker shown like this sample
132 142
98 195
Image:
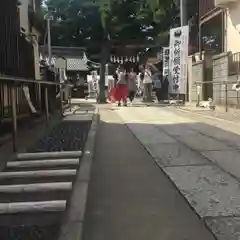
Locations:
29 180
48 155
38 174
43 163
33 207
36 187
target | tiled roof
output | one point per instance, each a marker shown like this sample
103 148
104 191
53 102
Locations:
73 64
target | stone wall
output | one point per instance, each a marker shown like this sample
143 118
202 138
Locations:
216 69
220 75
197 76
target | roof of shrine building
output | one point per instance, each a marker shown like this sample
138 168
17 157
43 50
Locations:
72 64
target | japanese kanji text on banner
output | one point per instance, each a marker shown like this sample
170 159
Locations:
178 56
165 61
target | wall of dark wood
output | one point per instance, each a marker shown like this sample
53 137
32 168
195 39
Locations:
16 53
205 6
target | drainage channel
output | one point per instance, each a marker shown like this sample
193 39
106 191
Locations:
35 186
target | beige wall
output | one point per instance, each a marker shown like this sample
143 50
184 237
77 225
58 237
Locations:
233 27
23 11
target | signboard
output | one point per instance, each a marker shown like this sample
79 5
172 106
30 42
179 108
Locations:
178 57
165 61
60 63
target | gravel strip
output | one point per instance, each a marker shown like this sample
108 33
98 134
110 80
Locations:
29 232
66 136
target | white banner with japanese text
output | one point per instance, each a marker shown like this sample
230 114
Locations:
178 57
165 61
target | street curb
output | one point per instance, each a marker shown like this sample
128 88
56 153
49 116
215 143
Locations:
72 226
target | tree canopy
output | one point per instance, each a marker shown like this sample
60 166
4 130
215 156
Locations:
135 21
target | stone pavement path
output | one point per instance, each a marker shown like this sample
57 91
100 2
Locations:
130 197
201 156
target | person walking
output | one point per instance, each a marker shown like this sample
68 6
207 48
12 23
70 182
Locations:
113 89
121 90
132 85
147 84
165 84
140 81
157 84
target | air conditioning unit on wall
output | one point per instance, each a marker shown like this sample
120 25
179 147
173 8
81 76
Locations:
225 3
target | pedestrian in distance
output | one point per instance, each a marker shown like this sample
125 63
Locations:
157 85
132 85
121 89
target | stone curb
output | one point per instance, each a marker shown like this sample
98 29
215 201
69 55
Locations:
72 226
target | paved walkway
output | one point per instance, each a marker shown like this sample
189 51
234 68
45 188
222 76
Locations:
130 197
200 155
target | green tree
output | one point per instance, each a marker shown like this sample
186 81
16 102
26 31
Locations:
98 24
77 24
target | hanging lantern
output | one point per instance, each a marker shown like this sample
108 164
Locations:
126 59
137 58
114 59
133 59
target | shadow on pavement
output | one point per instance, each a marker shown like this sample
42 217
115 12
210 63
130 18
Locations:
130 197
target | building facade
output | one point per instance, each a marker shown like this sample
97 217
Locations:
19 55
219 22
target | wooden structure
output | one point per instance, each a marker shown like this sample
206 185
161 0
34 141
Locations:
16 52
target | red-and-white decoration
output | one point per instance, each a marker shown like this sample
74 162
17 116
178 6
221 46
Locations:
124 59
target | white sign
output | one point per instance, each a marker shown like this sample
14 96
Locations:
60 63
178 57
165 61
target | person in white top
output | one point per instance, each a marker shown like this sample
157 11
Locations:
147 84
146 76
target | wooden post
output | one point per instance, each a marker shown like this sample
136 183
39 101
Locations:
40 97
226 97
46 104
14 118
61 99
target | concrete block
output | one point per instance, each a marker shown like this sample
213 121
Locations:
200 142
228 160
210 191
227 228
175 154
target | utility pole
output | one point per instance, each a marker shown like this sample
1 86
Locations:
49 18
183 12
